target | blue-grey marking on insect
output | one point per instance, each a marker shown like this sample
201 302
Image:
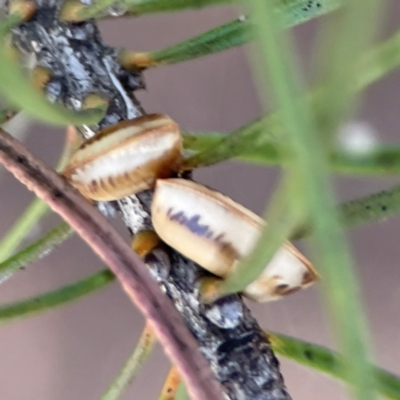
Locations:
192 223
202 224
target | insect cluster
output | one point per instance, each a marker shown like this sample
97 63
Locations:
202 224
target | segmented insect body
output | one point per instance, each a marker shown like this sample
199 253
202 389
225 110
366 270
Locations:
126 158
202 224
217 232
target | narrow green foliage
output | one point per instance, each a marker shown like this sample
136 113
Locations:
133 365
378 62
256 141
182 393
329 362
245 140
232 34
293 11
25 223
57 297
211 148
310 162
198 142
137 7
378 161
17 89
74 10
41 247
375 207
35 211
343 41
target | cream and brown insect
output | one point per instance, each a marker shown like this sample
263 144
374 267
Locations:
127 158
216 232
204 225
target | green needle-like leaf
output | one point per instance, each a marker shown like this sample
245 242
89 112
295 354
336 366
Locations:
57 297
378 62
151 6
182 393
293 11
138 7
25 223
329 362
372 208
18 90
41 247
245 140
375 207
133 365
74 10
36 210
232 34
254 141
378 161
310 162
343 41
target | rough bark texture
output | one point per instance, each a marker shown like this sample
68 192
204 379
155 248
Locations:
228 335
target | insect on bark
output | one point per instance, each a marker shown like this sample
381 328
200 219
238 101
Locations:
202 224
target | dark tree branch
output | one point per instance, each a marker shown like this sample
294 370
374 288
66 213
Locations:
227 335
117 254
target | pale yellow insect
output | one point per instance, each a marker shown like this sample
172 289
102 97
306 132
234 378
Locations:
202 224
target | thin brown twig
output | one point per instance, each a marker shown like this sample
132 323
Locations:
94 228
